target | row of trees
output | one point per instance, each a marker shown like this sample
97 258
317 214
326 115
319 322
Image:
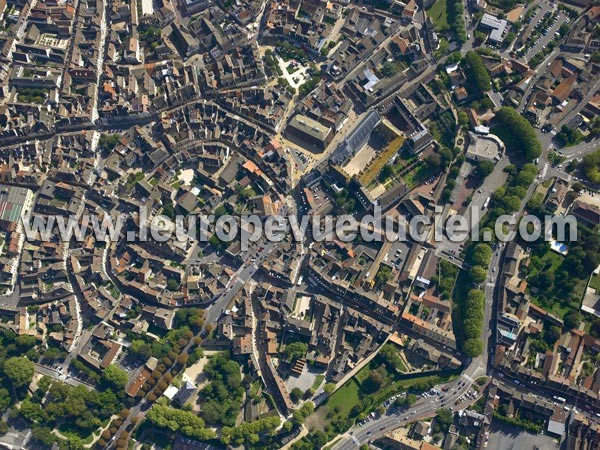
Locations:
507 199
446 279
477 71
456 19
185 422
517 133
472 307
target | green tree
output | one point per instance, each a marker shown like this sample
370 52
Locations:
590 166
551 334
463 119
192 317
480 255
19 370
595 328
484 168
473 347
434 162
386 172
374 380
295 350
44 435
572 319
477 71
296 394
517 133
172 284
383 275
443 419
115 377
478 274
175 420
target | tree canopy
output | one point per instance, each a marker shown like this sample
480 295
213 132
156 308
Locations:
223 395
115 377
477 71
19 370
590 166
295 350
517 133
174 420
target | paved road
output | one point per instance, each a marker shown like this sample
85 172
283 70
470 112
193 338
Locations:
57 375
212 314
475 369
580 150
423 408
580 105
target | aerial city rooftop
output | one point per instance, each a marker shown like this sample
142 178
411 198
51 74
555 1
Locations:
161 111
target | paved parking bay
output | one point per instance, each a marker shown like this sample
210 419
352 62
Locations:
506 437
545 39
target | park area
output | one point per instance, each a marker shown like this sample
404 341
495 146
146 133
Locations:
438 14
379 380
544 266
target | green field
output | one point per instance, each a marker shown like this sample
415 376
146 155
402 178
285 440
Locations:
551 262
595 282
438 13
353 401
344 398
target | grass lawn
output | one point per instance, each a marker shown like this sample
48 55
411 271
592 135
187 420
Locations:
318 380
438 13
418 174
336 415
538 197
377 164
345 398
551 262
401 366
595 282
554 258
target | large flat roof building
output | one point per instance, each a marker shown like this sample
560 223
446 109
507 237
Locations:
356 139
497 27
309 131
14 201
485 147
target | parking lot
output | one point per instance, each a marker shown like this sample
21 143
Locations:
397 254
506 437
547 35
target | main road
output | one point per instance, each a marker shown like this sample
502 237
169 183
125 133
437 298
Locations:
476 368
211 316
